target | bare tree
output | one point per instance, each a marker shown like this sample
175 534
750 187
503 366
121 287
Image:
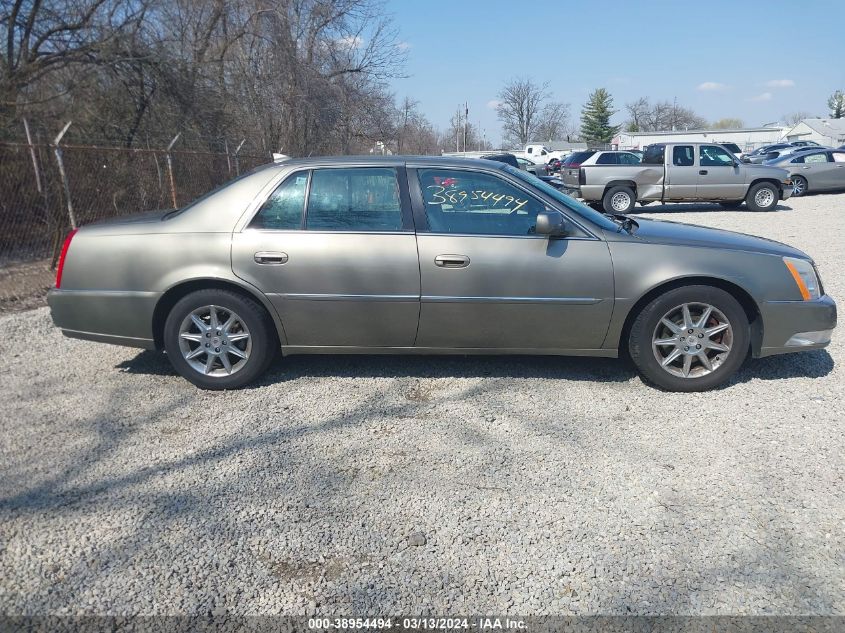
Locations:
645 116
794 118
553 123
519 109
728 124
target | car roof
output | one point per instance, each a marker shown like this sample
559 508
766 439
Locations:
388 161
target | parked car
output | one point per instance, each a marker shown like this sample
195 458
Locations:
615 157
733 147
806 144
430 255
814 170
680 172
553 165
514 161
574 160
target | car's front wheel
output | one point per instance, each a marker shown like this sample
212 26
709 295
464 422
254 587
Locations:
763 196
691 338
799 185
219 339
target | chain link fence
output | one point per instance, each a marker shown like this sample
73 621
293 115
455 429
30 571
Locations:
39 204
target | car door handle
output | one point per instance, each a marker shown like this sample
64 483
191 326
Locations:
272 258
702 172
451 261
807 167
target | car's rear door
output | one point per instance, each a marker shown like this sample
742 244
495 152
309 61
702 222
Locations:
719 175
832 173
681 173
488 281
342 269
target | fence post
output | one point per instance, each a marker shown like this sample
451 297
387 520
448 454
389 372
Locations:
237 158
228 157
170 170
34 158
58 151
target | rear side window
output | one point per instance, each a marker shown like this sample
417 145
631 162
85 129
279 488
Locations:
283 209
838 157
683 156
797 159
653 155
629 159
608 158
357 199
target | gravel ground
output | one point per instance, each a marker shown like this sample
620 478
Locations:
376 485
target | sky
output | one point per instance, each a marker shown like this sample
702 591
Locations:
743 59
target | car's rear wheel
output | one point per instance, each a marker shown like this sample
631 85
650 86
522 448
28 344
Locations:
619 199
763 196
219 339
799 185
691 338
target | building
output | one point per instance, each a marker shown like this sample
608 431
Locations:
829 132
747 138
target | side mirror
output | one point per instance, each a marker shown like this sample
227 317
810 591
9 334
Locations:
550 223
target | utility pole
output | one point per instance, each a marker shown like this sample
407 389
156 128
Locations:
466 123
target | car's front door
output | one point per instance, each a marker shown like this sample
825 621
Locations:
489 282
719 175
342 269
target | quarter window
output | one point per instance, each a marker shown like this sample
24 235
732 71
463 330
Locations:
283 209
358 199
682 156
838 157
714 156
476 203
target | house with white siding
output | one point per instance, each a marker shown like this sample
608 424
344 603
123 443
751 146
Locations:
828 132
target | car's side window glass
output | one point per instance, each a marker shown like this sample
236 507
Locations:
607 159
283 209
838 157
475 203
816 158
714 156
682 156
653 154
797 159
629 159
355 199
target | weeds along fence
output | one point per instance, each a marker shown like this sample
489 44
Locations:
45 189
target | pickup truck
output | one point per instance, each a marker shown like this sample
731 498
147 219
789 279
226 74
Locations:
679 172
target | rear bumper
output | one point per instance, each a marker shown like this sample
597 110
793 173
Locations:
107 316
796 326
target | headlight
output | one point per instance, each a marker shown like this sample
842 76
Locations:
805 277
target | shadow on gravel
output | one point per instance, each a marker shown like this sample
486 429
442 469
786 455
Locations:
813 364
700 208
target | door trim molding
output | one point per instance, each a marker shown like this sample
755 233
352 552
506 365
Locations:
483 299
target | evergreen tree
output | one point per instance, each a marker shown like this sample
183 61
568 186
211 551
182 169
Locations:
595 118
836 103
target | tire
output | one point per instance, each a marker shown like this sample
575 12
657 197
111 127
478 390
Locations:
799 186
730 204
648 329
208 350
756 196
617 195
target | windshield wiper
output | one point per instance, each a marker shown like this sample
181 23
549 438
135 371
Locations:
625 223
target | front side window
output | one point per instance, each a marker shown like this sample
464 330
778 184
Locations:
714 156
682 156
607 159
475 203
355 199
816 158
283 209
838 157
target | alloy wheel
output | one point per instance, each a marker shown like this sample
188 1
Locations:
215 341
764 197
692 340
799 186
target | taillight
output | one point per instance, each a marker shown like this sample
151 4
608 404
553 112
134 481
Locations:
582 176
62 256
574 165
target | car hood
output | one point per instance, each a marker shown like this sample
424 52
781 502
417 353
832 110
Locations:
676 233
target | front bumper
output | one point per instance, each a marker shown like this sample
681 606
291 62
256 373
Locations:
106 316
796 326
785 191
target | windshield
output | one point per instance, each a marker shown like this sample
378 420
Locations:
569 202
